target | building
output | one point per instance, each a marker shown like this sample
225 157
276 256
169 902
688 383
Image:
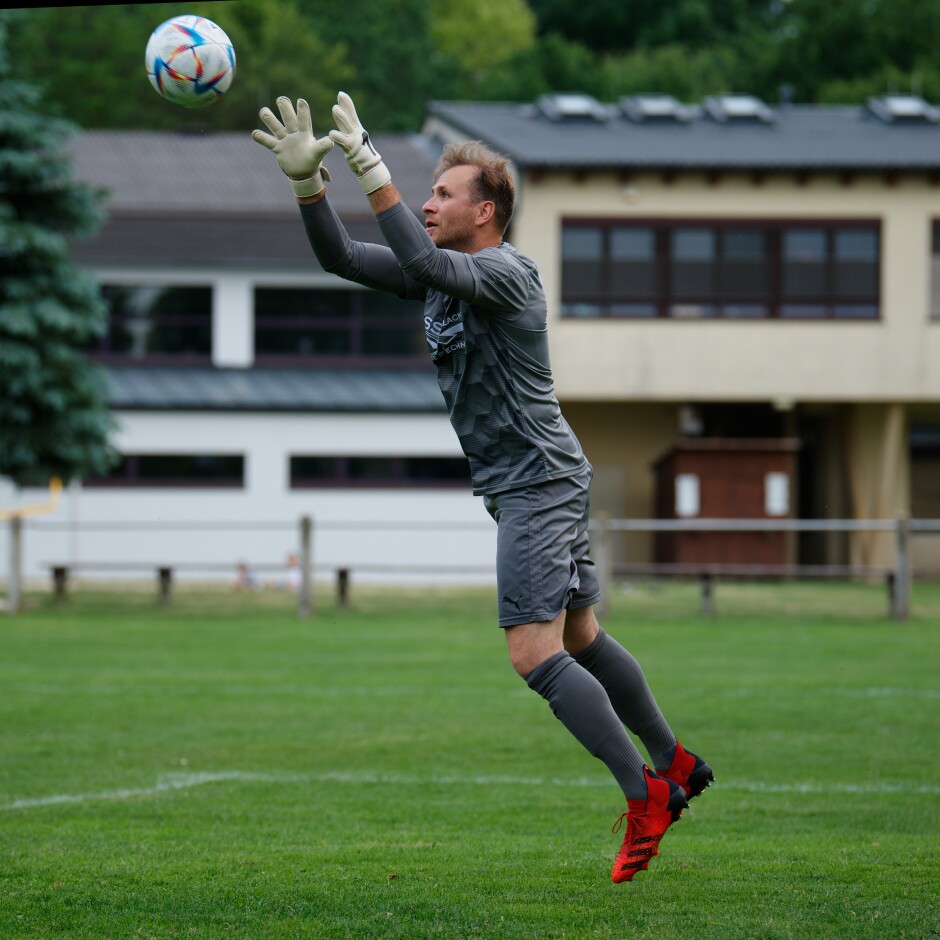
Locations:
735 270
251 388
721 275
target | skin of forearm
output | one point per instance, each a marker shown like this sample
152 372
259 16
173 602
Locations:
384 198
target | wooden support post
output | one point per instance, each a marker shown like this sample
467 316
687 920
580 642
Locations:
342 588
15 568
165 584
901 595
14 581
603 559
708 594
60 580
305 592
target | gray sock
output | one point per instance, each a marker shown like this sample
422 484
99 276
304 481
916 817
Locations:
582 706
626 686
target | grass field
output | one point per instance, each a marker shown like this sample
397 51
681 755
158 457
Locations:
223 769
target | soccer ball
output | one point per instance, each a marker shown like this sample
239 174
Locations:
190 61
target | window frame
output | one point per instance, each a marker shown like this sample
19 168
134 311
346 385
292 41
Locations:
663 299
397 479
130 477
102 351
355 323
933 286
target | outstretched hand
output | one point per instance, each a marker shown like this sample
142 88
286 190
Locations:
299 152
353 139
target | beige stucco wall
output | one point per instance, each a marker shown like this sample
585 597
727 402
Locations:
862 472
895 358
621 382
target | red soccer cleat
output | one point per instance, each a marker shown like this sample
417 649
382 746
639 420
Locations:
647 822
689 771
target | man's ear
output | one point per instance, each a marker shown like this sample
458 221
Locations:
485 211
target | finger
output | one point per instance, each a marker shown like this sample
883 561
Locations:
347 104
323 146
341 118
272 123
304 123
287 114
343 140
266 140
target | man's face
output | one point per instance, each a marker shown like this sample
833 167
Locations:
450 213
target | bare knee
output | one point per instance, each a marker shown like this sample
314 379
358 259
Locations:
530 644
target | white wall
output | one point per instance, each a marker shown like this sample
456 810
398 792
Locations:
462 534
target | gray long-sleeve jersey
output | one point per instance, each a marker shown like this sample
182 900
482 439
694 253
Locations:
485 318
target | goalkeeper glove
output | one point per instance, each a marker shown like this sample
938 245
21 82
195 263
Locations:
362 157
298 152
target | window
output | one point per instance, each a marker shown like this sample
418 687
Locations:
935 273
156 321
309 322
730 270
175 470
311 471
924 442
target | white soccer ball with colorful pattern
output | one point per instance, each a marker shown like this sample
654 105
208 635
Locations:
190 61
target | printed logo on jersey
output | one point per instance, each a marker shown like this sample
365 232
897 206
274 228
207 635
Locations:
443 326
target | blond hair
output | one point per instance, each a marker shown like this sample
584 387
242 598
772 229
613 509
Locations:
493 181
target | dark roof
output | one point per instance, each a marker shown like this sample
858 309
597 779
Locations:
786 138
220 198
227 173
301 390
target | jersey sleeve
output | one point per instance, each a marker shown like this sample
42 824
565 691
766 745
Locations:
493 280
363 262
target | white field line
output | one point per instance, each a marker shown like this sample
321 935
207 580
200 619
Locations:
185 781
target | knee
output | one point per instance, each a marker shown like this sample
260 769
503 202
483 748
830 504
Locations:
523 661
532 644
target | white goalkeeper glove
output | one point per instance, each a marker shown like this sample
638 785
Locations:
298 152
362 157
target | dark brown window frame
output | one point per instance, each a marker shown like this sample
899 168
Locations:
354 323
663 300
397 478
100 348
127 475
934 313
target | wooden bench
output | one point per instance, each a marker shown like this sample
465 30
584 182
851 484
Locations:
60 572
707 575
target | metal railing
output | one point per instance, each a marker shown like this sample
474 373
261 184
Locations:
603 529
898 575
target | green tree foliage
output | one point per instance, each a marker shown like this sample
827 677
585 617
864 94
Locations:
53 420
89 62
394 55
480 36
848 50
622 25
395 65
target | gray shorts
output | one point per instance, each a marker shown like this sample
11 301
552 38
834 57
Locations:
543 563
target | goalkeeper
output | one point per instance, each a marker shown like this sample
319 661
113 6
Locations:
485 318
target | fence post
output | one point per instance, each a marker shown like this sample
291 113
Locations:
165 585
342 588
305 593
707 584
16 564
603 560
901 595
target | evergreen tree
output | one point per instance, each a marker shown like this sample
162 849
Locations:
53 419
